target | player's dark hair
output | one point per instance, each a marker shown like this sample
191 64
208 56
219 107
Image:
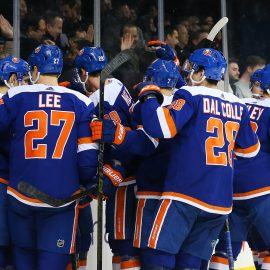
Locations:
214 82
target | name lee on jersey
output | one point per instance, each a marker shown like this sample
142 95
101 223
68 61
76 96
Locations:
225 109
49 101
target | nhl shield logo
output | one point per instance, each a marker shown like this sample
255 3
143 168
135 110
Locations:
207 52
60 243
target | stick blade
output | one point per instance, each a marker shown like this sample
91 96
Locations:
217 27
33 192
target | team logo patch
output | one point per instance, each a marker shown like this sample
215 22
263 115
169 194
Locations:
15 60
60 243
207 52
37 50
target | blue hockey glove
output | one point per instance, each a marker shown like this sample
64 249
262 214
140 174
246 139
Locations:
180 82
164 51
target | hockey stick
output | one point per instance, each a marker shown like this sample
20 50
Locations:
229 244
116 62
206 43
35 193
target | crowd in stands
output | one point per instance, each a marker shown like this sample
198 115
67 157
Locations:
66 24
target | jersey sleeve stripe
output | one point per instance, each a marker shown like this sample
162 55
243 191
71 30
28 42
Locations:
87 146
158 223
153 140
85 140
166 122
251 194
251 151
218 259
4 181
196 203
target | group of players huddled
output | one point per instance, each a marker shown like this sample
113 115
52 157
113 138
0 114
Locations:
179 162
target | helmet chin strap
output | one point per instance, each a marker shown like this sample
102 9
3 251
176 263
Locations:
86 78
31 78
8 85
194 81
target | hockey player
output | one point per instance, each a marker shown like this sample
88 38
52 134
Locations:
51 149
213 125
151 171
121 205
252 187
12 73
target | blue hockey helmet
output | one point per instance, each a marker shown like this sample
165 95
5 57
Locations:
91 59
265 79
212 61
47 58
12 65
256 76
162 73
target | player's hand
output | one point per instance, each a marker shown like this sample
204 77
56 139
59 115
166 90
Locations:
163 51
108 131
148 90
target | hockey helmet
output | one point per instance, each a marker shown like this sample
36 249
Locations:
212 61
91 59
162 73
47 58
12 65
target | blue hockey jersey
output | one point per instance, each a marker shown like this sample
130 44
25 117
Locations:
252 177
51 146
207 126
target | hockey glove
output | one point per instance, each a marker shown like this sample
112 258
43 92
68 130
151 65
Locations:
180 82
108 131
164 51
149 90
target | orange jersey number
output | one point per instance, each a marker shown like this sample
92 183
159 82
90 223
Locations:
215 125
41 118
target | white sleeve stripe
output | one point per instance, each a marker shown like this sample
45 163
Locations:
249 155
154 141
163 123
87 146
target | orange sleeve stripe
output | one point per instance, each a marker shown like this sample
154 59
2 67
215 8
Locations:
253 192
170 122
189 198
221 260
4 181
2 101
248 150
85 140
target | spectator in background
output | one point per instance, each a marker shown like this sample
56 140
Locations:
253 62
23 9
53 35
148 23
209 21
33 29
171 36
196 38
181 47
234 72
